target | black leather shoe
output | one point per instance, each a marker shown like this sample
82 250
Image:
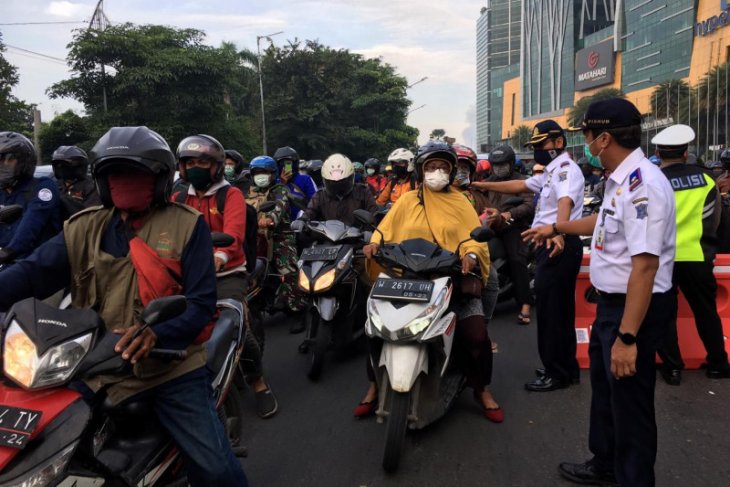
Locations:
540 372
673 377
586 474
718 373
545 384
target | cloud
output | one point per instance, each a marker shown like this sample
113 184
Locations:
68 9
469 134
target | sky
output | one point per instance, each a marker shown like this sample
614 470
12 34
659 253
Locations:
435 39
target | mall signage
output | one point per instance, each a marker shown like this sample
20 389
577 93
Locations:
705 27
594 66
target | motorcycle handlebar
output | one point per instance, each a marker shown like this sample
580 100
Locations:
167 354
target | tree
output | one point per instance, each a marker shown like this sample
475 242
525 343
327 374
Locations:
65 129
520 136
575 117
162 77
321 100
15 115
437 134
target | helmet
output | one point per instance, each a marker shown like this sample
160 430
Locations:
358 166
402 154
484 165
315 165
263 164
202 147
287 153
654 160
71 158
713 164
435 150
338 175
373 163
236 156
465 154
503 154
133 147
725 156
22 148
304 165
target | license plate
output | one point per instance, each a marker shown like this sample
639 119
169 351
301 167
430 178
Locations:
320 253
16 425
403 289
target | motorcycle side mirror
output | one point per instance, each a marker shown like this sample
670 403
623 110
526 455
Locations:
267 206
297 200
10 213
364 217
482 234
514 201
221 239
163 309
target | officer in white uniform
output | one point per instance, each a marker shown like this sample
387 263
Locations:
560 188
632 256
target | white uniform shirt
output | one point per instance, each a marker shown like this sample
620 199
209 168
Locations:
636 217
562 177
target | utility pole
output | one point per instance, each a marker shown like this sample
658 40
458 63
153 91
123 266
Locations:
36 129
99 22
261 85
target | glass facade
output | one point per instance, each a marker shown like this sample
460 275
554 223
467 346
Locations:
498 45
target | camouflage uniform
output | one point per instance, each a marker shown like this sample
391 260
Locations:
283 246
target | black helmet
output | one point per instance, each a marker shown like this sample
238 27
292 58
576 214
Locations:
236 156
203 147
69 162
133 147
24 153
373 163
287 154
315 165
725 158
435 150
503 154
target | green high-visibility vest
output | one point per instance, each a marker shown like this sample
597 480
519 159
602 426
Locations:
690 194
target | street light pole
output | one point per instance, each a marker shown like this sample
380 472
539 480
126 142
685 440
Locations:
419 81
417 108
261 85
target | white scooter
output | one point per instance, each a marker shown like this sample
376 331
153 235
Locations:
412 321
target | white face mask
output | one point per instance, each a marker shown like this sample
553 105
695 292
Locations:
262 180
436 180
371 172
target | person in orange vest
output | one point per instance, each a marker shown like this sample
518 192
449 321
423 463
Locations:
402 179
201 160
375 180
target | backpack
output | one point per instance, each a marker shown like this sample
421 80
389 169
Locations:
251 232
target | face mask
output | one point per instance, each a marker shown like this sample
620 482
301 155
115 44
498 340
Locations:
132 191
199 177
436 180
501 171
545 157
339 189
230 173
371 172
7 176
592 160
589 154
262 180
400 171
462 178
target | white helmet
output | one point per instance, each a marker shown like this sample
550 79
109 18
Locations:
402 154
337 167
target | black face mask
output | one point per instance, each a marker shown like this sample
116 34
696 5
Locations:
400 171
545 157
339 189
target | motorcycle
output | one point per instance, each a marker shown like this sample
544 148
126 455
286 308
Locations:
411 317
335 313
591 205
51 436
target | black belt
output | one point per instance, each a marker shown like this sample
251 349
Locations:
612 297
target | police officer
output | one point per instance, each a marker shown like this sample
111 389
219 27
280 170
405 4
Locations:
631 267
558 261
77 190
698 200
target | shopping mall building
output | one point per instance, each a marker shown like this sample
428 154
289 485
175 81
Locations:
537 58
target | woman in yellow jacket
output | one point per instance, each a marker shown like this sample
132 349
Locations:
437 213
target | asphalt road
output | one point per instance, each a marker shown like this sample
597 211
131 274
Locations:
314 440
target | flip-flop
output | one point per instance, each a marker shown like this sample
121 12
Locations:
523 319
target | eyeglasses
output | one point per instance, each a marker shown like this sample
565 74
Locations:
7 156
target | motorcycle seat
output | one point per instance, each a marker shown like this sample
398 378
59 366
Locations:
224 333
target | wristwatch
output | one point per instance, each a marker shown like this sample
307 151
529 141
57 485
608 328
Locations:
473 256
627 338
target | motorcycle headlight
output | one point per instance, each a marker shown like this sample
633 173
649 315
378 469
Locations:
47 472
303 281
324 281
22 364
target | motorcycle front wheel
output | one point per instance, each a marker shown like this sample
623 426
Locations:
395 430
318 350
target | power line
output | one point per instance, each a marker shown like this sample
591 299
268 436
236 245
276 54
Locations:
32 56
45 23
36 53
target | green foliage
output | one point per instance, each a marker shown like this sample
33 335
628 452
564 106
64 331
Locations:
520 136
575 117
162 77
65 129
321 100
437 134
15 115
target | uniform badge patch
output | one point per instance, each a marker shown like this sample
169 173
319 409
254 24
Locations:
640 200
634 180
562 176
642 211
45 194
